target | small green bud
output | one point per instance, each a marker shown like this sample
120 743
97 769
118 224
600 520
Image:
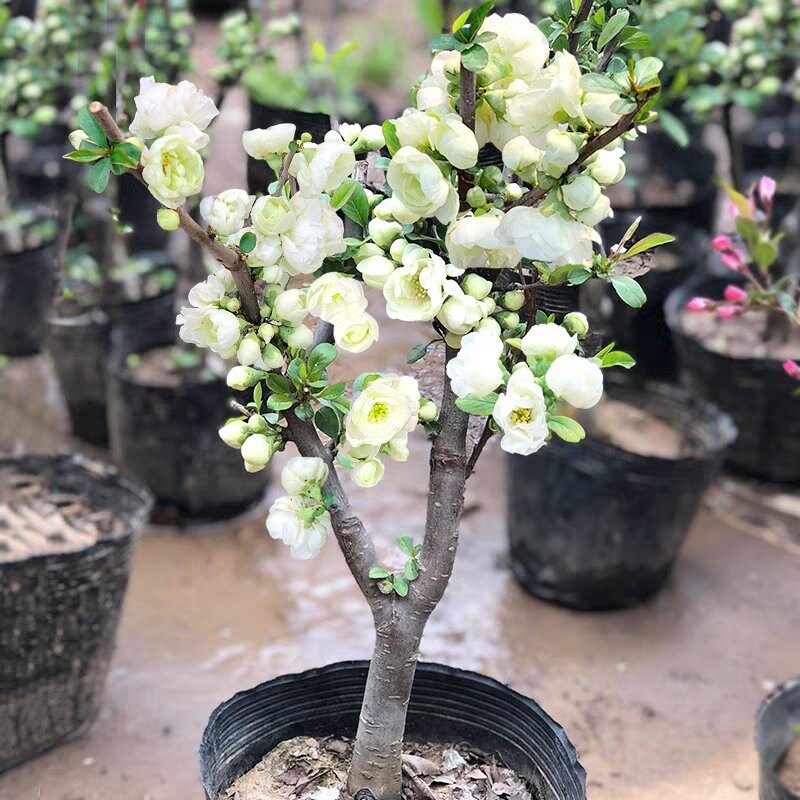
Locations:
507 319
168 219
272 357
265 312
233 305
576 322
475 286
266 331
257 424
490 177
513 301
428 411
305 137
476 197
241 378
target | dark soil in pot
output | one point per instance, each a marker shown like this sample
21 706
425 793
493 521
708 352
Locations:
648 457
164 418
66 538
28 274
778 743
727 362
664 177
644 332
447 705
84 338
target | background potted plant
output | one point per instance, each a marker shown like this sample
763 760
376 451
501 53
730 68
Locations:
433 237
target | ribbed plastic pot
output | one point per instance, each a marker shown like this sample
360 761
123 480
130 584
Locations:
27 284
643 332
616 546
776 730
82 346
167 438
447 705
756 392
259 175
59 615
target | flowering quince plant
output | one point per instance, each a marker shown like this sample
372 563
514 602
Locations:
433 242
753 256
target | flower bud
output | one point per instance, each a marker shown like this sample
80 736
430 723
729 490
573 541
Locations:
507 319
596 213
376 270
271 357
266 331
513 191
428 411
453 340
700 304
371 138
397 249
490 177
476 197
257 424
290 306
489 323
575 322
722 243
562 150
76 137
249 350
241 378
475 286
513 301
367 250
367 473
349 132
234 433
384 233
735 294
44 115
231 304
300 337
168 219
257 451
580 193
488 305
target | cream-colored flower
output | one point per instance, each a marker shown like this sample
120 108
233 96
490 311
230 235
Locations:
576 380
284 523
548 341
476 369
367 473
355 334
210 327
416 290
472 243
301 472
227 211
420 187
213 289
316 233
455 141
521 413
376 270
460 313
161 105
386 408
260 143
518 43
330 164
271 215
172 170
335 297
548 238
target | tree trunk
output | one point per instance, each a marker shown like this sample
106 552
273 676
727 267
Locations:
376 767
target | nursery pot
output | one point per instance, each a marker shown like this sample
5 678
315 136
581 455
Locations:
447 705
138 208
259 174
167 437
616 546
776 730
43 173
771 143
59 613
82 345
27 283
756 392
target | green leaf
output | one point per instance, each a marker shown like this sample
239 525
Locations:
321 356
648 243
280 402
357 206
460 20
304 411
258 396
595 82
126 155
474 58
645 73
674 127
333 391
418 352
390 136
634 39
566 428
411 570
277 383
477 406
97 176
431 14
363 380
327 420
343 193
379 573
612 28
400 585
578 276
91 127
405 544
444 41
617 359
629 291
248 242
85 156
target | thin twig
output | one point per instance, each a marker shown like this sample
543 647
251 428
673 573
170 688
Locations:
466 107
608 53
284 176
583 14
486 434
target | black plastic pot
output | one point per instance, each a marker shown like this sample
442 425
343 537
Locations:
644 332
82 347
167 437
616 546
771 143
756 392
447 705
27 283
558 300
138 208
776 730
59 615
42 174
259 175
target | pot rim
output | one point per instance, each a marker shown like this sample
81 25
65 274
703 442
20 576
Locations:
788 687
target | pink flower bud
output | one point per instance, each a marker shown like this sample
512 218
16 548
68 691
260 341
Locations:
766 191
700 304
734 260
726 312
722 243
792 369
734 294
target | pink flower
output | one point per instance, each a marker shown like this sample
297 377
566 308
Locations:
734 260
700 304
726 312
766 191
733 294
792 369
722 243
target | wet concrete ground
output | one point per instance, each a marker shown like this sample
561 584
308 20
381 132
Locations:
659 700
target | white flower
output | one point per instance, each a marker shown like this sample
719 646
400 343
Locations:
460 313
455 141
472 243
227 211
385 409
476 368
210 327
416 291
521 414
551 239
596 213
213 289
355 334
190 132
260 143
267 251
271 215
548 341
172 170
580 193
596 108
160 105
519 43
316 233
607 166
335 297
330 164
397 448
376 270
371 139
300 337
367 473
420 187
349 132
304 541
521 157
291 306
257 451
577 380
301 472
415 129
